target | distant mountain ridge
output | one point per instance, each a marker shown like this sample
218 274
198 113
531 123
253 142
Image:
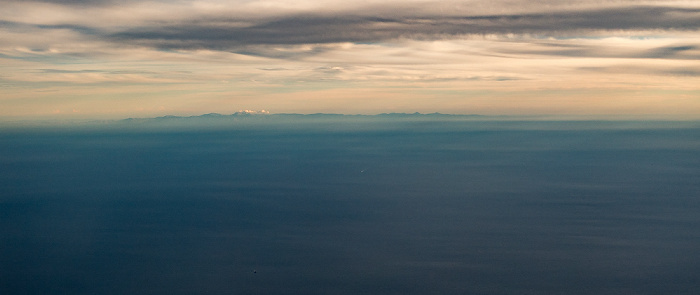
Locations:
263 113
334 121
290 120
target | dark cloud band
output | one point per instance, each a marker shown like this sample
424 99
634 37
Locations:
225 33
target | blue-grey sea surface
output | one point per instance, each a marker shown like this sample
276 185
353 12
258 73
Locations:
387 206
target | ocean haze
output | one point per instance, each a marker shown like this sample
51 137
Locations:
392 204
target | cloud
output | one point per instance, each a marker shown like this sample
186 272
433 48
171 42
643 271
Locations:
686 51
217 26
226 34
79 3
319 55
608 49
646 70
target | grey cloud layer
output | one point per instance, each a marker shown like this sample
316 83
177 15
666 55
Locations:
299 35
234 31
687 52
315 29
81 3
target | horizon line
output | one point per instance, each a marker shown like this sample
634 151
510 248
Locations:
46 122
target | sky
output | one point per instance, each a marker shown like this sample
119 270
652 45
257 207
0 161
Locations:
126 58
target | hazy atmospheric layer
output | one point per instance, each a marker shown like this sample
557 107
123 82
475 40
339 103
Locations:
145 58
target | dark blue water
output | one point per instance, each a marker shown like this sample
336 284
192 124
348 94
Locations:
401 208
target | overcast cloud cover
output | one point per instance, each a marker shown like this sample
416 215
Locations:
144 58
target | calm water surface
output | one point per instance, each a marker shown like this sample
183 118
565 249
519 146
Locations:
403 208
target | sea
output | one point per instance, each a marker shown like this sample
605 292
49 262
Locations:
333 204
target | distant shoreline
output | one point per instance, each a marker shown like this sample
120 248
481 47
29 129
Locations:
318 121
260 116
